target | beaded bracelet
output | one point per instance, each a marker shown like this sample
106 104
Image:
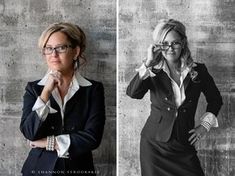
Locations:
206 124
50 143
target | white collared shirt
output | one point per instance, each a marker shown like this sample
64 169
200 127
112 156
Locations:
208 119
43 109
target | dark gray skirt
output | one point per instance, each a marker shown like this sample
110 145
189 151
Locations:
168 159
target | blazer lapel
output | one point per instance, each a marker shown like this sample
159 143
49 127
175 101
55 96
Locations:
186 81
165 83
54 104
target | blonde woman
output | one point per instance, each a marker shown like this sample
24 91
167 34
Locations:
175 83
63 113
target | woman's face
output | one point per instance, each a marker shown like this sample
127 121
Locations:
59 54
173 52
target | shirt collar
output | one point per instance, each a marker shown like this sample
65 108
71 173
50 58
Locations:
78 80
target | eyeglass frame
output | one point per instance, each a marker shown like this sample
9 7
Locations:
172 45
55 49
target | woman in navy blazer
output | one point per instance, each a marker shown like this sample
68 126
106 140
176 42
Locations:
175 82
63 113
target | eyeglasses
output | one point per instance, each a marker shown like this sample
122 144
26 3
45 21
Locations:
173 45
47 50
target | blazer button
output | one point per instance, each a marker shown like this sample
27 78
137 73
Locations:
166 98
72 128
52 127
168 109
184 110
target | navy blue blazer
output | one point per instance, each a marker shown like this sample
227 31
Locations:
84 120
164 112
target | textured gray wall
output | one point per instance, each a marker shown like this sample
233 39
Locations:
211 33
21 24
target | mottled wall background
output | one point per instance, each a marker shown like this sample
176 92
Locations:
211 33
20 61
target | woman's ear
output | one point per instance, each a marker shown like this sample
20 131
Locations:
77 51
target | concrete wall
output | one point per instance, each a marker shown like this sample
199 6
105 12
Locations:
211 33
21 24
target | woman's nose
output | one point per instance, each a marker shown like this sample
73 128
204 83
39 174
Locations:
170 48
54 53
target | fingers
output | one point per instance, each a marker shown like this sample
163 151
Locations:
192 136
149 59
150 52
196 136
192 131
156 48
32 145
56 76
153 52
153 48
54 79
150 48
57 80
194 141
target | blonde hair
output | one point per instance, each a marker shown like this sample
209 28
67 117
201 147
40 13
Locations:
74 33
160 32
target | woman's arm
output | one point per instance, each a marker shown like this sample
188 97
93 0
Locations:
138 87
214 103
211 92
30 121
33 114
90 137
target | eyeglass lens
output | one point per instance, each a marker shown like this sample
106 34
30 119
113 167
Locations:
174 45
58 49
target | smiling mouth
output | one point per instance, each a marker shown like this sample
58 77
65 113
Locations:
170 53
55 61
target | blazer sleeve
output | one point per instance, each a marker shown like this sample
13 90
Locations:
138 87
30 121
211 92
90 137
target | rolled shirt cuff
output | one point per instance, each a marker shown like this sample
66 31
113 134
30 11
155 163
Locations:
209 120
43 109
63 142
145 72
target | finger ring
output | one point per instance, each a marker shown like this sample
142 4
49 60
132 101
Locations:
52 74
199 136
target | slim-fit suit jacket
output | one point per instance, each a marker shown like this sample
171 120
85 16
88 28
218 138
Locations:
84 119
164 111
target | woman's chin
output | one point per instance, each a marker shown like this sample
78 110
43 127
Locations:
172 58
57 68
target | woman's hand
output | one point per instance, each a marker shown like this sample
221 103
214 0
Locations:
197 134
152 53
54 79
41 143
